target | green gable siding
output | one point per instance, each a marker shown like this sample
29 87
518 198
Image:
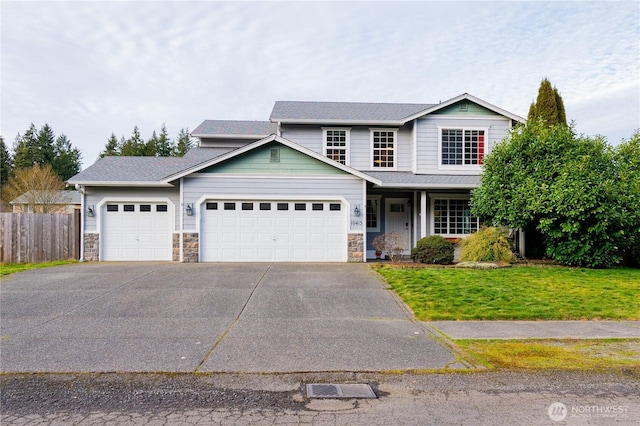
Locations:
472 109
258 162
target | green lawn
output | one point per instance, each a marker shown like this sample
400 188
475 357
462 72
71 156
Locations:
11 268
519 292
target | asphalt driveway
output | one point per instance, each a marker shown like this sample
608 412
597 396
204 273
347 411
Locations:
172 317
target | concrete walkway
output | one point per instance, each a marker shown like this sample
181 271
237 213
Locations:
537 329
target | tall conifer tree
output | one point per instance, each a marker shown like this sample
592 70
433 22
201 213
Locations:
548 107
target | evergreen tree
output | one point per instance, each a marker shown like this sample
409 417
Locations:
45 143
549 106
6 162
67 160
25 148
134 146
164 145
562 116
151 147
112 148
184 143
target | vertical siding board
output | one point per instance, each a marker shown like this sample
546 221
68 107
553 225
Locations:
37 237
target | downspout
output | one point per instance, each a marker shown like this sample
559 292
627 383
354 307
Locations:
181 219
80 189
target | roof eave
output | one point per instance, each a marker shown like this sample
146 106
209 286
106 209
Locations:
340 122
428 185
228 136
148 184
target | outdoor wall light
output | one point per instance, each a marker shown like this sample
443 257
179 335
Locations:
356 211
90 211
189 209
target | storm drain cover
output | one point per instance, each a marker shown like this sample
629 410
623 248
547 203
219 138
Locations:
325 390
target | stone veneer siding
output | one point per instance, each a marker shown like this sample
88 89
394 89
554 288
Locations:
91 247
190 243
175 251
355 248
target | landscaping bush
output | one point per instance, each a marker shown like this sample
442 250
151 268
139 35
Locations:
489 244
391 243
434 249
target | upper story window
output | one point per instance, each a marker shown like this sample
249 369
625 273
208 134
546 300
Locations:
462 147
383 148
336 144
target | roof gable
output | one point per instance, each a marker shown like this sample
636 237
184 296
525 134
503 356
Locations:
265 161
268 140
443 107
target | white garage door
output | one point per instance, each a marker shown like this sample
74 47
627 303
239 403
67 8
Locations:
136 231
273 231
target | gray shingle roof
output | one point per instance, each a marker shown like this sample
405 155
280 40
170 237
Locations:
63 197
236 128
343 111
144 169
436 181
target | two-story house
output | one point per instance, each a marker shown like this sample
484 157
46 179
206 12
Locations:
316 183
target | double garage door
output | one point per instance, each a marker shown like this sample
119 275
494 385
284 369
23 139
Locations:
136 231
273 231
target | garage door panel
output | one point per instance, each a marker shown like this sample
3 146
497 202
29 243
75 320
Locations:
299 233
135 235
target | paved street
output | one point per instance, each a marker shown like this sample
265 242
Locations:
489 398
174 317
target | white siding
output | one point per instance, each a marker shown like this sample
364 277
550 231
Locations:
360 143
307 136
95 195
427 138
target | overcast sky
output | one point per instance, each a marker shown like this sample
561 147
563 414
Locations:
90 69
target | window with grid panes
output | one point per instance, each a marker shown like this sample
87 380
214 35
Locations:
373 212
384 142
336 143
453 217
462 147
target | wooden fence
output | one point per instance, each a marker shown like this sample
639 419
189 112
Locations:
39 237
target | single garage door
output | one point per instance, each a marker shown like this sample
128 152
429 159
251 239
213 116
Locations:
136 231
273 231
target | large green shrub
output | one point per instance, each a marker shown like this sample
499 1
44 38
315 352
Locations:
433 249
487 245
577 191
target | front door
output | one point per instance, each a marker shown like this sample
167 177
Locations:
398 219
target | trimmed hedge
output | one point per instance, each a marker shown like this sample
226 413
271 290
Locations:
433 249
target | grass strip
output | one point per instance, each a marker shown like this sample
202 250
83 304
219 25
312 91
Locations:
12 268
562 354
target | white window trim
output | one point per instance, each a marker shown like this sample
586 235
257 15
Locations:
347 131
462 167
395 147
432 212
377 198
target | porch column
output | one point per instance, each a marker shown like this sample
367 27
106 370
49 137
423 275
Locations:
423 214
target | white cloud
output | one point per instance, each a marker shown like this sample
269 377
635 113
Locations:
93 68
